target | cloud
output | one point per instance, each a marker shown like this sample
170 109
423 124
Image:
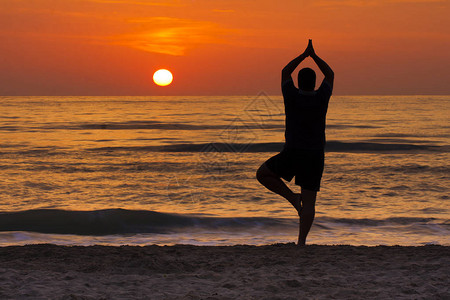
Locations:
146 3
365 3
223 10
172 36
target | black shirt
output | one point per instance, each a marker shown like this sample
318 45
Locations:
305 115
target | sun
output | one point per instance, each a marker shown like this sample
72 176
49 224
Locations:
162 77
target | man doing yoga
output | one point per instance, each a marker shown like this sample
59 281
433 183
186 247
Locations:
303 152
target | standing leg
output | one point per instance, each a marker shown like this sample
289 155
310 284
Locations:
307 214
274 183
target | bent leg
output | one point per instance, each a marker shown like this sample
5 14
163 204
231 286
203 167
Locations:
307 215
274 183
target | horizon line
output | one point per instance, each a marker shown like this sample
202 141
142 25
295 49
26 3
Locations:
219 95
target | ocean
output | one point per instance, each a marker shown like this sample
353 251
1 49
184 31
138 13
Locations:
181 170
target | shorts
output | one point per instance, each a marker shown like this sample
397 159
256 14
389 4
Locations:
306 165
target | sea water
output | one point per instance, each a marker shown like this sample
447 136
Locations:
173 170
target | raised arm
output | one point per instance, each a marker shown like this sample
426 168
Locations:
323 66
291 66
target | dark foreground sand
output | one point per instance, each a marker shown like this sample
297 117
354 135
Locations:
281 271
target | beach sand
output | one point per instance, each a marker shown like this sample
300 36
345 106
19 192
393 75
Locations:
279 271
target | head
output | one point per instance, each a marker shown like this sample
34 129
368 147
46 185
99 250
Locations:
306 79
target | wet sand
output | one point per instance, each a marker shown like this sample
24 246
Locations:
280 271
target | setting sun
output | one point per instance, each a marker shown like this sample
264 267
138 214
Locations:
162 77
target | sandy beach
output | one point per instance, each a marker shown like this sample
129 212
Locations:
279 271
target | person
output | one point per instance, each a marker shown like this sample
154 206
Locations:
303 151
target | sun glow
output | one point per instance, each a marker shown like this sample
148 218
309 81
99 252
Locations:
162 77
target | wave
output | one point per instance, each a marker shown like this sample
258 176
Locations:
411 169
122 221
382 222
331 146
148 124
336 146
234 124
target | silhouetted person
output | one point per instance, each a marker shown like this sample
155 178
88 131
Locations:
303 152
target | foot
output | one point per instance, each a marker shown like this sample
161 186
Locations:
301 243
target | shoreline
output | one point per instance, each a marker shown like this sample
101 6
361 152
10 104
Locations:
278 271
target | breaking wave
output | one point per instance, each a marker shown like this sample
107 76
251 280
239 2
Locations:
122 221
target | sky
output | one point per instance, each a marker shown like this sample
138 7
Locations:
221 47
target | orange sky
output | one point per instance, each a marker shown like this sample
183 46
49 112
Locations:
220 47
